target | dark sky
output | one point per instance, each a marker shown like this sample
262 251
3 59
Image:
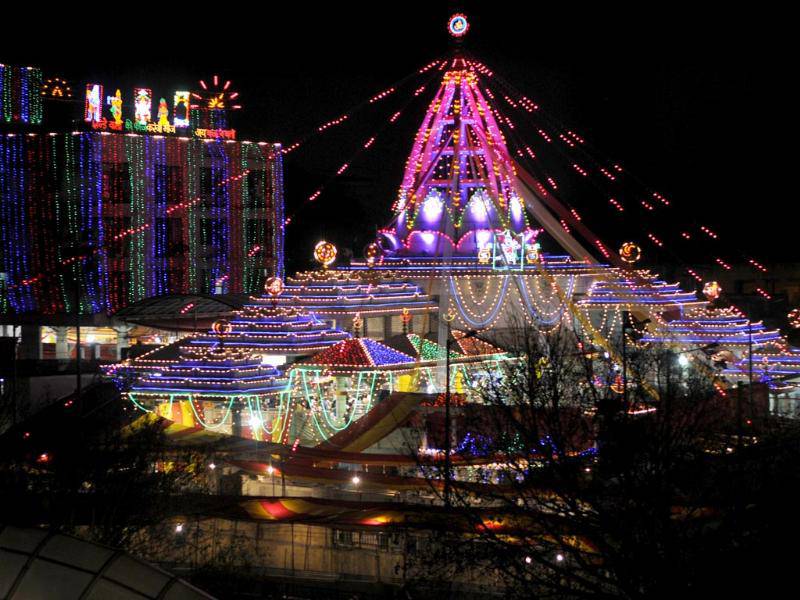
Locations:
695 103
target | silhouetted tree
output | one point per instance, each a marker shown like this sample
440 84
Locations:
619 477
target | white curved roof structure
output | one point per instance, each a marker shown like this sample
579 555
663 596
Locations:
35 563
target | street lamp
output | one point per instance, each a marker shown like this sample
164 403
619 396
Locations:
447 440
74 254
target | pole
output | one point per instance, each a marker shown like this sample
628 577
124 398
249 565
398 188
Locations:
447 442
750 361
624 361
78 343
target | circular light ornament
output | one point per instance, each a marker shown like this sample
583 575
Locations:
712 290
458 25
372 253
794 318
222 327
274 286
630 253
325 253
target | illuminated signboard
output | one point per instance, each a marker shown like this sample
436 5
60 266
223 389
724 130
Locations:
143 105
163 113
93 107
142 121
115 103
180 109
510 252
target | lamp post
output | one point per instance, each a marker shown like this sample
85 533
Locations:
447 438
78 253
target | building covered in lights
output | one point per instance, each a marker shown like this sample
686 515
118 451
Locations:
111 197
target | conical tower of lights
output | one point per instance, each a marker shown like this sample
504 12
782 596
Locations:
457 189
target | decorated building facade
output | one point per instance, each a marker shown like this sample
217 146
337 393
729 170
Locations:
130 197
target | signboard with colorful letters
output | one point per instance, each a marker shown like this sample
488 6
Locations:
109 113
508 251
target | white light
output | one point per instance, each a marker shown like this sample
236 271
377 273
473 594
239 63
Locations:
255 423
528 560
432 207
559 557
683 360
270 470
356 480
178 527
212 466
275 360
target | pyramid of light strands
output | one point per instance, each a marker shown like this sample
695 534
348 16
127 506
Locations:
222 389
274 333
457 192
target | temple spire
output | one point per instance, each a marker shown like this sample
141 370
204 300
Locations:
458 185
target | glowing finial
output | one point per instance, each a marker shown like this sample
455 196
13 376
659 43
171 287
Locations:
458 25
325 253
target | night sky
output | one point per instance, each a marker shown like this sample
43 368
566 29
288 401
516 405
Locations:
695 104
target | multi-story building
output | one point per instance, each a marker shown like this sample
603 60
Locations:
118 198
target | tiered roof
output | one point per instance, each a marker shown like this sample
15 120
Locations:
216 371
360 353
639 290
704 326
267 329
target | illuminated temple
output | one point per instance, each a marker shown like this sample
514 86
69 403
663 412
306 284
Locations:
166 220
350 402
476 246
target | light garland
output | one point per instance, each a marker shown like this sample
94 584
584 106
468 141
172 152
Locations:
151 196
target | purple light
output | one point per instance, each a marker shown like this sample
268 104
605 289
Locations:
432 210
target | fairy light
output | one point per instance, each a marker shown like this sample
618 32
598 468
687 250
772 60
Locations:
580 170
566 140
608 174
381 95
94 201
661 198
763 293
695 275
708 232
332 123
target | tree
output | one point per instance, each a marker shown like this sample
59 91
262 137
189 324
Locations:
95 469
604 485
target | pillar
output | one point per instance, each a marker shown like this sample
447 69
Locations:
123 338
30 343
62 345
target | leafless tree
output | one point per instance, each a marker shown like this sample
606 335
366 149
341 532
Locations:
611 475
